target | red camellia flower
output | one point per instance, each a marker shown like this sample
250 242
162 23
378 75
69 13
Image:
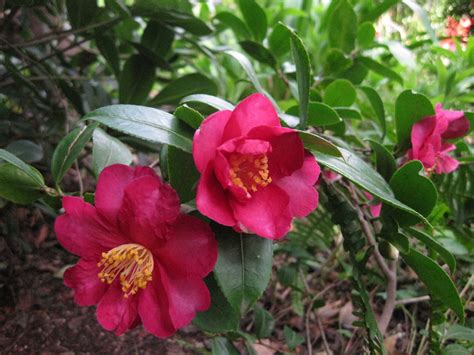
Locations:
141 260
429 135
256 175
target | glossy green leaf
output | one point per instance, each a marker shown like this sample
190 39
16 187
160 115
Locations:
436 280
243 267
384 160
377 106
18 186
158 38
319 114
365 34
182 173
414 189
381 69
348 113
303 75
153 58
343 27
340 92
212 101
410 107
379 9
184 86
146 123
255 18
220 317
336 61
317 143
432 243
264 322
235 23
26 150
81 13
32 173
108 150
459 332
258 52
363 175
292 338
107 47
248 68
189 115
69 149
279 40
136 80
223 346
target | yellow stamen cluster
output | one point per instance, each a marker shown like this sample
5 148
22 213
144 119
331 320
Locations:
249 172
133 263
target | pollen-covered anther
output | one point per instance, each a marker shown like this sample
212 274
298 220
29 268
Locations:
249 172
132 263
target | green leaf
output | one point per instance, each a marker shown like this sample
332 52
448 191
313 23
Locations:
381 69
458 332
248 68
255 18
107 47
68 150
340 92
364 176
411 187
146 123
258 52
317 143
379 9
32 173
292 338
81 13
347 113
136 80
243 267
343 27
432 243
377 106
158 38
384 160
223 346
303 74
264 322
436 280
18 186
336 61
182 173
26 150
365 34
108 150
189 115
319 114
410 107
279 40
220 317
456 349
186 85
213 101
423 16
236 24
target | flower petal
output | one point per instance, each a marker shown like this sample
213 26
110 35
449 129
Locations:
83 232
208 137
191 249
116 312
255 110
266 214
300 187
111 185
211 199
149 205
445 163
82 277
153 308
458 124
186 296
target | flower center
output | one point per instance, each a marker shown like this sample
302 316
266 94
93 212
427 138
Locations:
249 172
134 264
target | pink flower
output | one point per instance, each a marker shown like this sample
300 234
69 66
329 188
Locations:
256 175
428 139
330 176
375 209
141 260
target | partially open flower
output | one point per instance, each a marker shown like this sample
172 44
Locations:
429 135
256 175
141 260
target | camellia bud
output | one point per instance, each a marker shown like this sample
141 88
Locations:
388 251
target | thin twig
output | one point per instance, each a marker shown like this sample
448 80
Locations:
412 300
323 335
